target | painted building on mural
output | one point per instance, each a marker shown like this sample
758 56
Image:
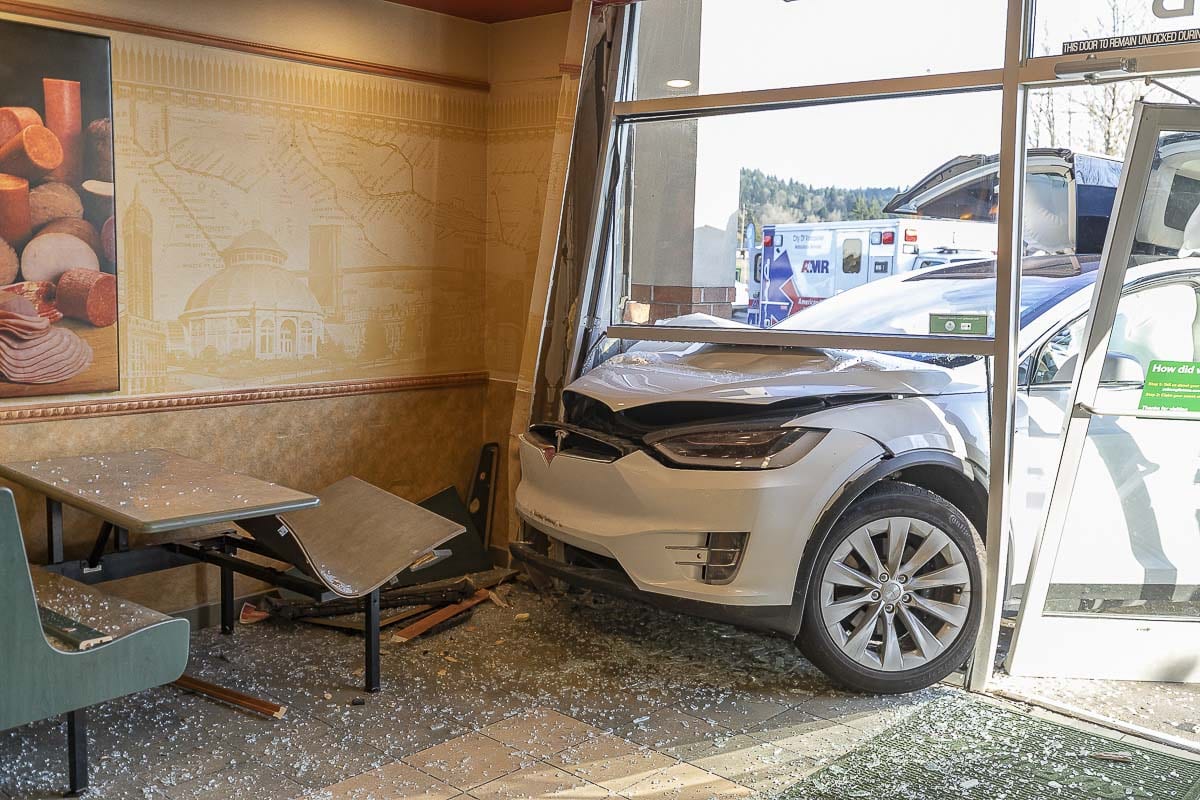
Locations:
143 338
254 307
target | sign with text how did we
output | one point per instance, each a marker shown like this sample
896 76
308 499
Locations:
1172 386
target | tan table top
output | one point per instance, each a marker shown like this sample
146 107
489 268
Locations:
151 491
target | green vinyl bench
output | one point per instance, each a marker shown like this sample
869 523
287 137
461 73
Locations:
66 646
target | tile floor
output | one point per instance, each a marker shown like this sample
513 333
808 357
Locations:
589 698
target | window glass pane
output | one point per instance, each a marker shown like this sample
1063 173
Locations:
1130 545
1078 138
852 252
1130 542
711 46
1057 22
819 201
1059 356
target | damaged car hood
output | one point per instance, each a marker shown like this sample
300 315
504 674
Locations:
719 374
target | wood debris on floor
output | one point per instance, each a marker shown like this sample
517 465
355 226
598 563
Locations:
414 603
231 696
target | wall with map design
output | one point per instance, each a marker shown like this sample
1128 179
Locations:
284 223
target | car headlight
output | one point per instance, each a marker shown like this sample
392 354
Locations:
740 447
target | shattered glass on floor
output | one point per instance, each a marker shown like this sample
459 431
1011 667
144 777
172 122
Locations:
954 749
569 697
1172 709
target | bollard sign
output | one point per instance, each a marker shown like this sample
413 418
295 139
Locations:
1163 9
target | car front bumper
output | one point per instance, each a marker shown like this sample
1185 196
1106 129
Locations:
640 511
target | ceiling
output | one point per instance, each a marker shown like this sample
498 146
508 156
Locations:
490 10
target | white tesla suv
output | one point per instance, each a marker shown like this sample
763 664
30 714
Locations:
837 497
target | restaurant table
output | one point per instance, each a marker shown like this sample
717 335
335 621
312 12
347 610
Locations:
148 492
344 544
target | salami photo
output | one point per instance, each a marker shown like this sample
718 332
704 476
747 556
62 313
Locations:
58 254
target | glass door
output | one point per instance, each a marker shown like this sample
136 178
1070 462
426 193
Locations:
1113 589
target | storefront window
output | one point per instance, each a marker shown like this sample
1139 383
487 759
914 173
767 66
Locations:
818 197
713 46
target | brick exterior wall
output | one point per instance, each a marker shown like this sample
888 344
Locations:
672 301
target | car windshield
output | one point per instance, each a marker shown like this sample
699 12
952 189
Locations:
905 303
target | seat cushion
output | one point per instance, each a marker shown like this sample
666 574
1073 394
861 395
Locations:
105 613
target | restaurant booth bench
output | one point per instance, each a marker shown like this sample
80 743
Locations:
47 621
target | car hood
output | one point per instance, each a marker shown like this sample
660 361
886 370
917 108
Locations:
719 374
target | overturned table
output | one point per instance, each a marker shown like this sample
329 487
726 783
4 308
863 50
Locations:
149 492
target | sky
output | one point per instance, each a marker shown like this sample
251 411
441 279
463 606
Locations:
756 44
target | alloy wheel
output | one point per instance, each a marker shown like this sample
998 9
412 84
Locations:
895 594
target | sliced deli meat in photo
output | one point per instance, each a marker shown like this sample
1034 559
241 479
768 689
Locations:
34 351
40 294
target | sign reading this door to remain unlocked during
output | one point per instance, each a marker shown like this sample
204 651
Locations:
1172 386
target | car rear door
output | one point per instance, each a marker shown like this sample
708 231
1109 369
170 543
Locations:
850 267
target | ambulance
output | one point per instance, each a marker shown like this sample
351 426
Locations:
805 263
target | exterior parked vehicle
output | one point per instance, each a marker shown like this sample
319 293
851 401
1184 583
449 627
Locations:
947 216
838 497
1068 197
805 263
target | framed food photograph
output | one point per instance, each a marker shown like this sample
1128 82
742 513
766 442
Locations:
58 244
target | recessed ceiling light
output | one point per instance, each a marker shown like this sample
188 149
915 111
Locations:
679 83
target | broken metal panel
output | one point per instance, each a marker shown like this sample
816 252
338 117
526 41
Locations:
360 536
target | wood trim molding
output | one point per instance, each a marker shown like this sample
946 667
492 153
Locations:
44 12
117 406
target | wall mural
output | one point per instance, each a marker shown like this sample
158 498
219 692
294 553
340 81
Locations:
281 223
58 287
520 139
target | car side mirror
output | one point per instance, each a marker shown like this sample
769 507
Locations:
1122 368
1118 368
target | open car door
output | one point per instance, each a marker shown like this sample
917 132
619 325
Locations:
1068 197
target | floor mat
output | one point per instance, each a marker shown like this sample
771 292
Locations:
958 748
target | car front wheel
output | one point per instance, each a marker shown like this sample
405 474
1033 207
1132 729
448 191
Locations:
893 604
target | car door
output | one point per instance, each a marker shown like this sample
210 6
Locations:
1131 463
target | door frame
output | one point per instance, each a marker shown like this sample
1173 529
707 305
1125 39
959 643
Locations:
1117 647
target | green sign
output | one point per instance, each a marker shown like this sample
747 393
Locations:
959 324
1172 386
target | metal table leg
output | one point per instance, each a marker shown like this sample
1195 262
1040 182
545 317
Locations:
371 638
106 529
226 600
77 767
54 531
227 610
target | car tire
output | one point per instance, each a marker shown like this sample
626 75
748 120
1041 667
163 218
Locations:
900 632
